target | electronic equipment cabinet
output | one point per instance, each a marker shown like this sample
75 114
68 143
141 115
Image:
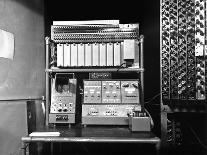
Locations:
183 68
94 72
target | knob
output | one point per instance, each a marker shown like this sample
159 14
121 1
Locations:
65 110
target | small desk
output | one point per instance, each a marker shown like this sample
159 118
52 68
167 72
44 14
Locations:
94 135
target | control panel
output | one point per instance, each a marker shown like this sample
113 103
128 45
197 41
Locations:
111 92
114 110
109 100
129 91
92 91
63 97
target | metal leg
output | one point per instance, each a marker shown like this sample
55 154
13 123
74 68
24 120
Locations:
24 148
157 148
60 148
51 148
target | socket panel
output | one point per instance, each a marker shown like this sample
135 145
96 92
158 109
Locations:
191 59
182 50
183 53
200 76
199 27
165 47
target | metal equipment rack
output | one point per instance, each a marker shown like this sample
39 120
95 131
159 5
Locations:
76 70
49 70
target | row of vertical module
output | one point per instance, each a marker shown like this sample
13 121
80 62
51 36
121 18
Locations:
96 54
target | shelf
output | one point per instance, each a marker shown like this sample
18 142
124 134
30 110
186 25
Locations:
185 109
95 70
94 134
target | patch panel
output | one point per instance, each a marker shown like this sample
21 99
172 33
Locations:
183 51
173 49
165 55
191 59
200 48
200 76
199 27
174 132
183 59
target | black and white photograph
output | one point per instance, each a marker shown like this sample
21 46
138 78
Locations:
103 77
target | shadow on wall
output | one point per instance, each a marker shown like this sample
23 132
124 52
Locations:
34 5
10 139
5 65
12 127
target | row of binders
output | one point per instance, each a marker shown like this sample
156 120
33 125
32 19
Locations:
96 54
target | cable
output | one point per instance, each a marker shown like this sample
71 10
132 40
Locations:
153 98
198 139
50 76
120 66
196 136
151 120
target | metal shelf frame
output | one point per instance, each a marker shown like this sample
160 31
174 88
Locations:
49 70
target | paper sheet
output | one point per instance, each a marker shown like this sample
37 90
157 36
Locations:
6 44
33 134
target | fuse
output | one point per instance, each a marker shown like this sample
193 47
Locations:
80 55
110 57
117 54
59 55
102 54
88 54
74 55
95 54
66 55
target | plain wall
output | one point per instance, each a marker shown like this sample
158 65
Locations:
24 76
13 125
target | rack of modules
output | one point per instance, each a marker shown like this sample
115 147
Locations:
87 63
